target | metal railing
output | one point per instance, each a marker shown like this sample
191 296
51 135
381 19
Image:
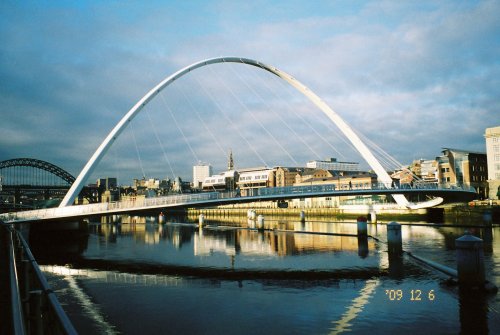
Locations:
35 308
193 198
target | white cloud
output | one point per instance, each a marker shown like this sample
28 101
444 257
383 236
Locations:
412 77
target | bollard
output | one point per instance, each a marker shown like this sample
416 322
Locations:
394 239
396 266
373 217
201 220
260 222
470 261
362 229
302 216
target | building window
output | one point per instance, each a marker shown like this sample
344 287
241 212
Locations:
496 148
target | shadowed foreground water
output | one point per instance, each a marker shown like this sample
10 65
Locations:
137 276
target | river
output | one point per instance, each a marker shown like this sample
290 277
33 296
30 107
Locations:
135 275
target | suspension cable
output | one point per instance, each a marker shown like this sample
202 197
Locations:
253 116
275 113
219 107
137 151
179 128
304 120
160 142
201 119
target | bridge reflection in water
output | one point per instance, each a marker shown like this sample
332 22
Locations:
176 278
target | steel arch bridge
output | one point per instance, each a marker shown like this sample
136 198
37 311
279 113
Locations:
26 181
360 146
37 164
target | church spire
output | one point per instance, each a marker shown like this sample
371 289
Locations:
230 163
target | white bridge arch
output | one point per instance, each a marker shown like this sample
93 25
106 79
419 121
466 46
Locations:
339 122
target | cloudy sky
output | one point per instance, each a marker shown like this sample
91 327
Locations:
411 76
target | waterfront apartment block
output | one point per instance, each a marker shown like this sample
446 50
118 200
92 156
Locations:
332 165
464 168
453 167
492 136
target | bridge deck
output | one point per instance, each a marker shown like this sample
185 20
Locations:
222 198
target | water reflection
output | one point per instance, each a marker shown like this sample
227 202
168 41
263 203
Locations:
239 238
330 281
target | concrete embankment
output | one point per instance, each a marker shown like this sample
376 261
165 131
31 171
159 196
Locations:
374 213
323 213
472 213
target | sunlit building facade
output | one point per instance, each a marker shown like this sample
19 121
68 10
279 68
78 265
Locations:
250 180
200 173
461 167
492 136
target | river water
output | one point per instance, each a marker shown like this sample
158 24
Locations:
134 275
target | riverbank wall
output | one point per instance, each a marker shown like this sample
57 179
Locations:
374 213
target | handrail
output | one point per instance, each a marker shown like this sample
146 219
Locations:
46 313
60 315
15 296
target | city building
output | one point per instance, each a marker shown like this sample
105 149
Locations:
200 173
107 183
250 180
332 165
150 184
492 136
429 170
403 176
463 167
225 181
314 175
180 186
420 170
285 176
341 181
